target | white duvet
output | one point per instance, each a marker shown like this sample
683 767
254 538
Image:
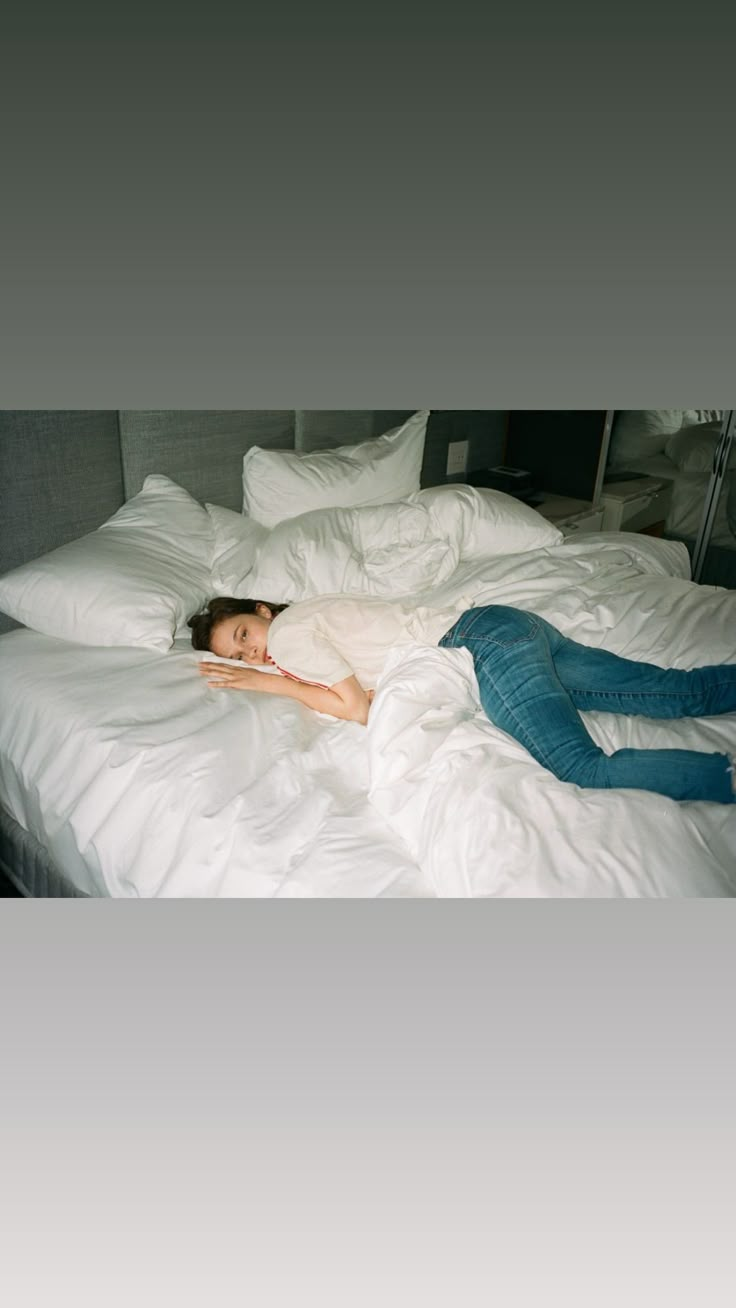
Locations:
141 780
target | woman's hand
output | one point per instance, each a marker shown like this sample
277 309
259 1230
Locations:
346 699
222 676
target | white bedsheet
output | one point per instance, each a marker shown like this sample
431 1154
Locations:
140 780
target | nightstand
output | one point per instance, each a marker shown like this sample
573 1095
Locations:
571 517
641 504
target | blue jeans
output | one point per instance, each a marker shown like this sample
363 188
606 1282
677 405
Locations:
533 680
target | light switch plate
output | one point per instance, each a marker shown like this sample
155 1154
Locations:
457 457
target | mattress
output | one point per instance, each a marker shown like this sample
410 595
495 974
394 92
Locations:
142 782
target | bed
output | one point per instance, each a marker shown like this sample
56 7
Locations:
122 775
678 445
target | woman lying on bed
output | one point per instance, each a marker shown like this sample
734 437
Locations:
532 680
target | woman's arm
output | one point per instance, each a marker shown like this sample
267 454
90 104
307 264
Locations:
346 699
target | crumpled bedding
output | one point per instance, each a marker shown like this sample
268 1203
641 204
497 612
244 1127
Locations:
393 549
141 781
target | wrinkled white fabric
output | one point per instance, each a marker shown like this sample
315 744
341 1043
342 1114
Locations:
392 549
142 781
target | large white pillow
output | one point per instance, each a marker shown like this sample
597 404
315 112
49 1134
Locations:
640 433
393 549
692 448
375 549
490 522
133 581
279 484
237 540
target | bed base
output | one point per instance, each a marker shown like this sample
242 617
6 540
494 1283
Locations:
27 866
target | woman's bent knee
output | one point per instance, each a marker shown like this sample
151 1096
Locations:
588 768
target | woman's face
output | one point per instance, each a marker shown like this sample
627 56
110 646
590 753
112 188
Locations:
243 636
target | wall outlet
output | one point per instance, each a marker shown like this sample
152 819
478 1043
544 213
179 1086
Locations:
457 457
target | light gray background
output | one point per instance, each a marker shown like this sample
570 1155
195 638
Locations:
366 1104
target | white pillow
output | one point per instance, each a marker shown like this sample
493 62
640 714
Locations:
279 484
491 522
237 540
692 448
375 549
640 433
133 581
393 549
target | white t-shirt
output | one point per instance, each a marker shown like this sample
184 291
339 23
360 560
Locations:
325 640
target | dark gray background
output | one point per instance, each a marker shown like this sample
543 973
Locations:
423 207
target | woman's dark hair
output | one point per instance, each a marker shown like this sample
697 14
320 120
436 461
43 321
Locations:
223 606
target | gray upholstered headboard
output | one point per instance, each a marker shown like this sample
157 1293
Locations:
64 472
